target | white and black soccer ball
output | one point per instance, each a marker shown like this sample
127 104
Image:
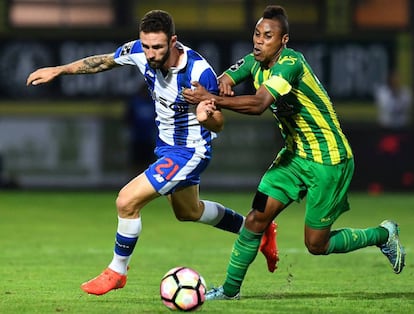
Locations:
182 289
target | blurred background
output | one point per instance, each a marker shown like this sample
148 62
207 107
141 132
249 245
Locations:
96 131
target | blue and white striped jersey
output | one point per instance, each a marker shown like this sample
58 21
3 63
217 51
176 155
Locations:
175 118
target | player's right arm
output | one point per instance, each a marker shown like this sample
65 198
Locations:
246 104
88 65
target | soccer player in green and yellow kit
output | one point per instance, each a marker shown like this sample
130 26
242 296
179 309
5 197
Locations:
317 160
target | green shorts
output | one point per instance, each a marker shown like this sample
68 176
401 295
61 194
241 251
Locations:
290 178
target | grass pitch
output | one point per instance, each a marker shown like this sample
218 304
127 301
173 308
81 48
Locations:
52 242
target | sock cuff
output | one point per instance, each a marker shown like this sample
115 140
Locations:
250 234
130 228
213 213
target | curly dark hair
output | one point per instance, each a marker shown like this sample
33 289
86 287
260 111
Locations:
158 21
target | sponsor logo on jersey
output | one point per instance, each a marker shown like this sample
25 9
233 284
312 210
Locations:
175 106
289 60
158 178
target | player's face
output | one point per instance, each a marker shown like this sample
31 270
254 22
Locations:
156 48
268 41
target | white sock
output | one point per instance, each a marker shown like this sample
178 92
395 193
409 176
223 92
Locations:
212 214
215 214
130 228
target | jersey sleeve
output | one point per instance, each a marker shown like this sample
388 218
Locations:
241 70
285 75
208 79
123 55
202 72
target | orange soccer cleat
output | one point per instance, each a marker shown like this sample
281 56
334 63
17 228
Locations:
268 247
108 280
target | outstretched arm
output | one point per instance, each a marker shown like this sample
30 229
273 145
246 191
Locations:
247 104
88 65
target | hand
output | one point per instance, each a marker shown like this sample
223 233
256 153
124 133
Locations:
197 94
225 89
205 110
43 75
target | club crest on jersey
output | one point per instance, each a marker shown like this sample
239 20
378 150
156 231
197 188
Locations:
289 60
237 65
126 49
180 94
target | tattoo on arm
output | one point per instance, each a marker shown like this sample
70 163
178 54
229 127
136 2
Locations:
94 64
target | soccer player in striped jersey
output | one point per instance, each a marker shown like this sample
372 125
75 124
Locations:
183 147
316 161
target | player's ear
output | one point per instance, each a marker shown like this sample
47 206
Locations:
285 39
173 40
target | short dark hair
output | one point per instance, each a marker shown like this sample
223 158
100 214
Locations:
276 12
158 21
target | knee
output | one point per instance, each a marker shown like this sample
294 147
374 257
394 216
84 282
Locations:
124 205
257 223
316 248
188 211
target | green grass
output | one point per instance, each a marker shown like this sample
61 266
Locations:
51 242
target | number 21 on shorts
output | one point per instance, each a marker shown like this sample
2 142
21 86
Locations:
167 168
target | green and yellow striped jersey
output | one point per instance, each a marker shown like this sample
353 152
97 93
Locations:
302 107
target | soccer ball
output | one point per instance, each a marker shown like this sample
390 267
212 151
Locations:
182 289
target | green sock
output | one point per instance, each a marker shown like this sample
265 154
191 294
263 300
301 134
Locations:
348 239
243 254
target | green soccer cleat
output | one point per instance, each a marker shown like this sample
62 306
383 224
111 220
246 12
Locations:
393 249
218 294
